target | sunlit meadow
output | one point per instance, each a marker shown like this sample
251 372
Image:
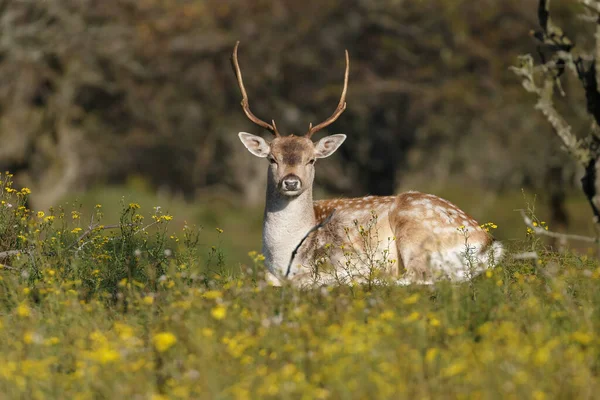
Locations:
140 310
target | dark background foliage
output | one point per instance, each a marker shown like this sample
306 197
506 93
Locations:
98 92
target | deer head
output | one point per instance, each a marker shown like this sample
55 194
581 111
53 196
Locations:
291 158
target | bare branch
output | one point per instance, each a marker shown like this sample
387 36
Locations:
538 230
560 125
528 255
10 253
8 267
90 229
592 5
545 104
597 51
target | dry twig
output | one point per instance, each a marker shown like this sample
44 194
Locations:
538 230
10 253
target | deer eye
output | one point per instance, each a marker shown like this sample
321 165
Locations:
272 160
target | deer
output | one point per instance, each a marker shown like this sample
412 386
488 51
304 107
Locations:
413 237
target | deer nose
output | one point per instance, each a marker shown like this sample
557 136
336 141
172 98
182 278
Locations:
291 183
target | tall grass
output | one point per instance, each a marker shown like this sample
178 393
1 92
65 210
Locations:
140 311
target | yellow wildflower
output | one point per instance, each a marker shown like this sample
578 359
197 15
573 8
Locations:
219 312
52 341
212 294
414 316
23 310
28 337
163 341
454 369
387 315
582 337
125 331
539 395
412 299
104 355
431 354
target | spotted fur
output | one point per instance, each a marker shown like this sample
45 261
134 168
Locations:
432 238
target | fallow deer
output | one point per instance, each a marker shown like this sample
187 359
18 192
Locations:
412 237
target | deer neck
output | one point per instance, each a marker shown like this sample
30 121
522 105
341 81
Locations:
287 220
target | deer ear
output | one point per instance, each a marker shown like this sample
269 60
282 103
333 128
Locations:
255 144
328 145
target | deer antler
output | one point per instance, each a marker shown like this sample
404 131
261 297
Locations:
245 105
340 108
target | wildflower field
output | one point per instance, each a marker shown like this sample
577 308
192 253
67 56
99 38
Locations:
138 310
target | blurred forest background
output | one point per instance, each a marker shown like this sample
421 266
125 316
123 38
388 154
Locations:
136 98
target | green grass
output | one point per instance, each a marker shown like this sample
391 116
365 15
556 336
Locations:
156 312
242 225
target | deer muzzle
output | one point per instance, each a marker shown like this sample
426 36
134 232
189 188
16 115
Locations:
291 184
